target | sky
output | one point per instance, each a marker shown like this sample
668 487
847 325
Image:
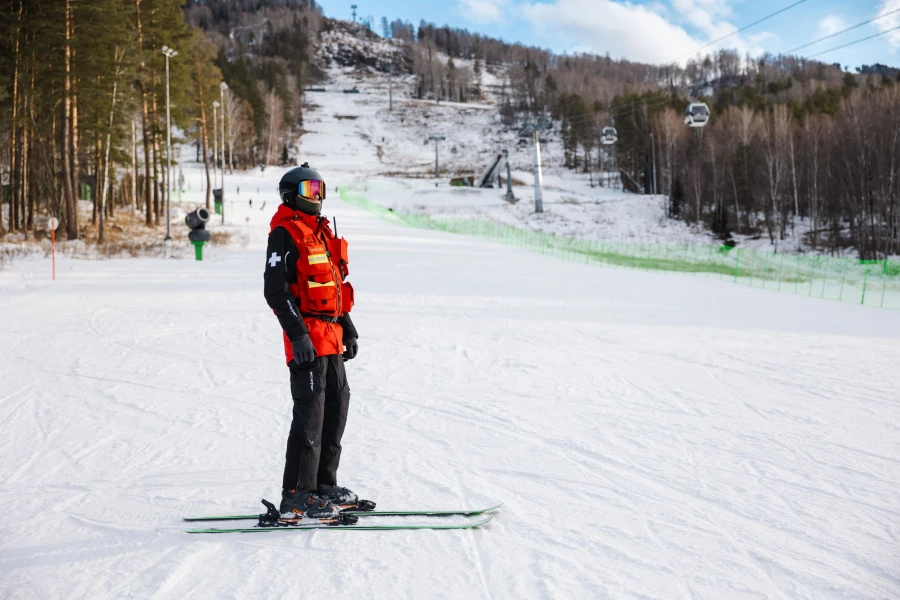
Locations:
658 31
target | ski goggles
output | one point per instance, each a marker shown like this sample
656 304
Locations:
311 188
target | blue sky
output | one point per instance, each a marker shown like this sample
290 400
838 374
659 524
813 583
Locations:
656 31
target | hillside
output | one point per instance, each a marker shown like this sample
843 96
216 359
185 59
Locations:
776 162
391 164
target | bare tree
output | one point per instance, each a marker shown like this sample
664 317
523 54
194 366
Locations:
776 131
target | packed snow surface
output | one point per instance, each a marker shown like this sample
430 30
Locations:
652 435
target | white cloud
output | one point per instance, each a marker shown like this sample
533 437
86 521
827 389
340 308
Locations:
639 32
890 22
831 24
624 30
755 41
660 8
483 11
706 15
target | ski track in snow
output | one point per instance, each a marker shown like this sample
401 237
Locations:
652 435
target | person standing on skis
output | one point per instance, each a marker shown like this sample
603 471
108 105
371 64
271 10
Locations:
306 265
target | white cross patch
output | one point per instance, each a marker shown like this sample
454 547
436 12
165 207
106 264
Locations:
274 260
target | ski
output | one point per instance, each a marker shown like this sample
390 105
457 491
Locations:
466 512
334 527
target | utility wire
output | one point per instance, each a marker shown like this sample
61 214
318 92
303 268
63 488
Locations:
625 110
855 42
640 104
828 37
857 26
637 103
737 31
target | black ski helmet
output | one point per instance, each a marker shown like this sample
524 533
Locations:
289 185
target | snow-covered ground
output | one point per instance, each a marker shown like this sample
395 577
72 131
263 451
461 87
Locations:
390 163
652 435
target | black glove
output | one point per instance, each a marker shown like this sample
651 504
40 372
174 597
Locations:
304 351
351 348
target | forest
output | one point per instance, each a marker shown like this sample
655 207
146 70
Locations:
83 98
794 146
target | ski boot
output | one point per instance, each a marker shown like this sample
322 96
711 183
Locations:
307 504
344 498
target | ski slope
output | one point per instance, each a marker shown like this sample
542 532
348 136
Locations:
652 435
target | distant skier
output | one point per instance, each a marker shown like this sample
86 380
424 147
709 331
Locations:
304 285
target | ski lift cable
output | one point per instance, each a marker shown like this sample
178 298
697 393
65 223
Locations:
865 39
624 110
628 109
660 102
737 31
635 107
638 103
828 37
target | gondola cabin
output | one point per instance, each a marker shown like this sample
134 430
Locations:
609 136
696 115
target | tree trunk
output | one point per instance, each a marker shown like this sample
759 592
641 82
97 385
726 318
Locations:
158 178
814 195
794 180
71 203
13 133
28 167
145 120
23 175
112 112
14 187
74 138
134 166
148 178
737 206
98 149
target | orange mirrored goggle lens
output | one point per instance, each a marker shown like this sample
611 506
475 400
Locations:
311 188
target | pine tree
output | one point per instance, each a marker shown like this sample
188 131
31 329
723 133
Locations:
205 77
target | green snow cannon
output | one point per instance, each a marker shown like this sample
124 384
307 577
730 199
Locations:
217 200
198 234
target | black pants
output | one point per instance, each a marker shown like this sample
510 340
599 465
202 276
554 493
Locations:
321 398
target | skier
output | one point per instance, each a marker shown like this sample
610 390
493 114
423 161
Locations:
304 285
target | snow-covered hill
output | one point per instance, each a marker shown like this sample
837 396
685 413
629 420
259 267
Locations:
383 154
391 163
651 435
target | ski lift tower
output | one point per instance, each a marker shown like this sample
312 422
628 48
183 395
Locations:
353 8
534 129
435 139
